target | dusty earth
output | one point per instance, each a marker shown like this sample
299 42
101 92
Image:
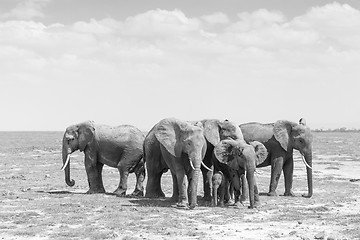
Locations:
35 202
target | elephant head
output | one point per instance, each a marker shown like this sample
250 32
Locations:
215 131
298 136
182 138
76 137
238 154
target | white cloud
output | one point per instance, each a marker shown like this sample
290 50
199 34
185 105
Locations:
216 18
160 23
159 54
26 10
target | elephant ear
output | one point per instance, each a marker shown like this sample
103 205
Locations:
260 152
86 131
282 130
211 131
302 121
167 133
224 152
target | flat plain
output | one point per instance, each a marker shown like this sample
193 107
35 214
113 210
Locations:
35 202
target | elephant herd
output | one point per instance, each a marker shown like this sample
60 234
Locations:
225 153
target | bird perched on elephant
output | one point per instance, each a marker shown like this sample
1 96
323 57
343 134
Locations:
119 147
179 146
280 139
236 157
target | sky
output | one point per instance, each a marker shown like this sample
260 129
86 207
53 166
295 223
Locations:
136 62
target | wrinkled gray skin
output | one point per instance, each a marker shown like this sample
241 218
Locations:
176 145
241 156
214 131
280 139
119 147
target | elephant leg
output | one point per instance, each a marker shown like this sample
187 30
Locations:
175 195
121 189
276 168
183 196
207 175
224 190
244 188
288 171
127 162
140 177
93 171
155 171
256 192
153 185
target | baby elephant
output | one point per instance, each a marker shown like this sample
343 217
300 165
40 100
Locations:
219 186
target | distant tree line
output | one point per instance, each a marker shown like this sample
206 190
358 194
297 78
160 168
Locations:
342 129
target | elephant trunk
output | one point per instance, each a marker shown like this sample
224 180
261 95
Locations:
66 163
214 196
194 183
250 174
308 159
250 177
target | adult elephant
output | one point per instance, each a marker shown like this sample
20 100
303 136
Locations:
118 147
214 131
280 138
179 146
234 157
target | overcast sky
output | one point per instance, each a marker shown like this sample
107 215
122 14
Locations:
136 62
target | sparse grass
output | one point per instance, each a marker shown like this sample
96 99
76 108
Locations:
36 203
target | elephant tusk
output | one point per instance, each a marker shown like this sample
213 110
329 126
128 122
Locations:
66 163
192 166
206 167
307 165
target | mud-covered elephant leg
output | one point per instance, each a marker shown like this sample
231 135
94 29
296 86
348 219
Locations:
288 170
93 171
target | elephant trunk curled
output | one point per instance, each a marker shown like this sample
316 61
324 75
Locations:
65 155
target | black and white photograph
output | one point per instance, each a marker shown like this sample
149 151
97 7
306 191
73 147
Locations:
161 119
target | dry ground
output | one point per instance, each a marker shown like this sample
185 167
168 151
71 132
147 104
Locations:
35 202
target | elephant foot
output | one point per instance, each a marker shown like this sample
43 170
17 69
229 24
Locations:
290 194
243 198
207 198
230 202
137 193
95 191
154 194
174 198
120 192
192 206
272 194
239 205
182 205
